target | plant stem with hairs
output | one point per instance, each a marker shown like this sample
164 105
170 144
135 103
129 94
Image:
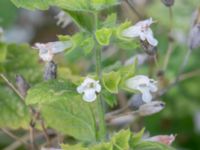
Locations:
101 111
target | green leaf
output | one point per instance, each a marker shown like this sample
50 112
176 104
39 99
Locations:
151 146
110 21
13 113
128 71
109 98
88 45
102 4
102 146
111 81
21 59
103 36
136 137
121 140
73 147
84 20
3 52
120 29
71 116
74 5
50 91
34 4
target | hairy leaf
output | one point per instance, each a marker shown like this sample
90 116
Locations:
13 113
50 91
111 81
71 116
103 36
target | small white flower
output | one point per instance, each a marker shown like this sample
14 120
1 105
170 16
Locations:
141 30
90 88
63 19
144 85
46 51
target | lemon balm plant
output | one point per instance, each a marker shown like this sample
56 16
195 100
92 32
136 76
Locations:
77 107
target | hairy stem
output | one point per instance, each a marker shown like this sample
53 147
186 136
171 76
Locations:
170 43
101 112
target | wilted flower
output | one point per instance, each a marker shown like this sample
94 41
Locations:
164 139
143 84
50 71
151 108
46 51
22 85
141 30
168 3
63 19
90 88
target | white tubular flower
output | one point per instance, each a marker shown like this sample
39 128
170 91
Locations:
46 51
141 30
143 84
89 88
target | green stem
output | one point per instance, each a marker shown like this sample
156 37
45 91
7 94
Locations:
101 112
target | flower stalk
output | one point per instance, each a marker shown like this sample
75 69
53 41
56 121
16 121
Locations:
101 112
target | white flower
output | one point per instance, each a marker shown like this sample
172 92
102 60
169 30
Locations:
46 51
63 19
144 85
141 30
90 88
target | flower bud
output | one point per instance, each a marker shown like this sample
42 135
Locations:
22 85
135 102
151 108
168 3
50 71
194 36
164 139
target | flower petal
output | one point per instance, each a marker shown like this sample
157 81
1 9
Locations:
131 32
151 40
80 89
89 95
146 95
98 87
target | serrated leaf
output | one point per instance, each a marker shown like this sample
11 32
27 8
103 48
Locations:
109 98
128 71
102 146
110 21
120 29
21 59
121 140
88 45
13 113
73 147
151 146
111 81
50 91
136 138
103 36
71 116
84 20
